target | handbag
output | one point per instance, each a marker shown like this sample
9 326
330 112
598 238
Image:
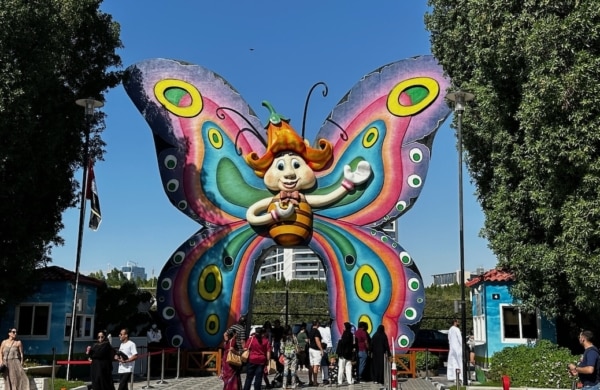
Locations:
233 358
272 367
246 354
3 368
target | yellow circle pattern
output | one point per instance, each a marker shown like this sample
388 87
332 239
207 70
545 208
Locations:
210 283
393 101
367 284
161 88
212 324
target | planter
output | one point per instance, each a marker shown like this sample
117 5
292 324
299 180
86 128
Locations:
34 384
45 371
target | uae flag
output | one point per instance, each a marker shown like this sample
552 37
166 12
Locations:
92 195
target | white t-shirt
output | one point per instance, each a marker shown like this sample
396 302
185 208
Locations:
325 335
129 349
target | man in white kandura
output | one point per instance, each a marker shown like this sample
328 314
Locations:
455 353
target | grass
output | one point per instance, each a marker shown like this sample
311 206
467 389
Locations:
60 383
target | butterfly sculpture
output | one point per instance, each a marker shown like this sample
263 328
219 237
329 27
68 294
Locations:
366 169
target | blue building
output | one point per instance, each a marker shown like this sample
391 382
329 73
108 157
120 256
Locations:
43 319
498 321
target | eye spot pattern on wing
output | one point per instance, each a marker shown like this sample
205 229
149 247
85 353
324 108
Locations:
370 137
169 93
210 283
366 283
422 91
212 324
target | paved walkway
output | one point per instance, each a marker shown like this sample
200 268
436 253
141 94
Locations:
214 383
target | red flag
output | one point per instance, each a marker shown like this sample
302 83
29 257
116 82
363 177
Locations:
92 195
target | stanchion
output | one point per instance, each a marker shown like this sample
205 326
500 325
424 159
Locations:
457 378
394 381
148 373
178 362
427 363
162 368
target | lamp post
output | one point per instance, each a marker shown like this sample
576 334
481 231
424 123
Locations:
89 105
459 99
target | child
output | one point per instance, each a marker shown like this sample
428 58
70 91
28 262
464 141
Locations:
289 348
333 368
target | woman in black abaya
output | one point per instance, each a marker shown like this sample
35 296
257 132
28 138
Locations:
380 347
102 355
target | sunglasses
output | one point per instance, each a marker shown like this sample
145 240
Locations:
100 337
13 331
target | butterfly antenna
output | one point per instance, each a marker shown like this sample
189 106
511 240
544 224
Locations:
325 91
343 134
221 115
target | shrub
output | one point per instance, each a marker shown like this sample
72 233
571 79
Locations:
541 365
431 361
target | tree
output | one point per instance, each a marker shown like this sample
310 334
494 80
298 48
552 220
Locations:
52 52
532 138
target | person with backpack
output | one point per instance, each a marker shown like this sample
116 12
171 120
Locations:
589 366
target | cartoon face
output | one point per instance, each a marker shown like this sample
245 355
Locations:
289 172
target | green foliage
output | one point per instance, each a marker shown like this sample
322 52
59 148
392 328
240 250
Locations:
440 309
542 365
427 360
117 308
52 52
532 138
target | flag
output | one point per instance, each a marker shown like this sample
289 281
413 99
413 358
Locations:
92 195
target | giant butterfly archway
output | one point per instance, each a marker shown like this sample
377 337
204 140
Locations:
368 164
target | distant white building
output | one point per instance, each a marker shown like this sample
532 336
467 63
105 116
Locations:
133 272
450 278
299 263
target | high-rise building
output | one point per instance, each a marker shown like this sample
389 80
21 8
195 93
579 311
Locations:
299 263
133 272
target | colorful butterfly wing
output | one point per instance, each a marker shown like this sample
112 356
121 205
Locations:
389 119
207 284
370 278
201 129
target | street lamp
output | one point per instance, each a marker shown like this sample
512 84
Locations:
89 105
459 100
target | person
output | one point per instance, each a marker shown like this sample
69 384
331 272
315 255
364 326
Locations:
154 336
277 333
326 342
288 349
101 355
268 335
11 355
260 354
315 354
230 375
588 366
362 341
345 350
302 338
332 369
239 329
455 352
126 357
380 347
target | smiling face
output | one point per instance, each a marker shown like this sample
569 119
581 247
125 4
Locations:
289 172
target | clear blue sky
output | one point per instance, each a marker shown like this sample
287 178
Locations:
268 50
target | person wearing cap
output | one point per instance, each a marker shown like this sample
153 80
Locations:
345 350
